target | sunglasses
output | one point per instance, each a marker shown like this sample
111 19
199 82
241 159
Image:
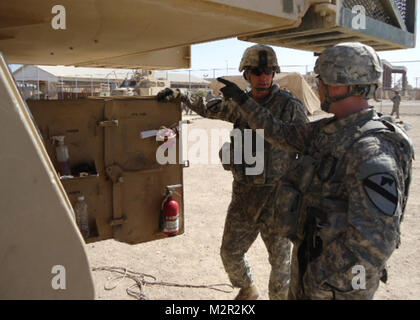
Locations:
260 71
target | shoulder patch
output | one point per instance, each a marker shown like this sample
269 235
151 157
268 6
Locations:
381 189
379 183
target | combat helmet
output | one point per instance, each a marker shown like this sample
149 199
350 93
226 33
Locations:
350 63
257 56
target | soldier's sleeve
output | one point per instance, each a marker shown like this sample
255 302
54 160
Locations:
353 263
216 108
290 137
298 111
375 184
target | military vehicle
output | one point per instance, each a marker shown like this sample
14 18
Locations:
142 83
126 88
111 142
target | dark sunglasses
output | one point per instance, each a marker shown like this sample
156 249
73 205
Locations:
260 71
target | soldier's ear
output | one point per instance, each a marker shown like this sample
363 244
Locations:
245 74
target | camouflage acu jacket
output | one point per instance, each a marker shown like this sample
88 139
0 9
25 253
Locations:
351 191
282 105
396 99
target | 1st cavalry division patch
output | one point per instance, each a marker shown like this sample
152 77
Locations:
381 189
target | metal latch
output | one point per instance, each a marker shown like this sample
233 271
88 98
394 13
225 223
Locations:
118 221
115 173
108 123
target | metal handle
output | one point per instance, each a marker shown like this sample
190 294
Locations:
109 123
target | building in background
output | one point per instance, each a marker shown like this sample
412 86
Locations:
180 80
62 82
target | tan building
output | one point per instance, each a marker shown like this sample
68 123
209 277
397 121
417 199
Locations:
62 82
184 80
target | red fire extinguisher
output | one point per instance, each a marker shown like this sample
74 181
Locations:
170 213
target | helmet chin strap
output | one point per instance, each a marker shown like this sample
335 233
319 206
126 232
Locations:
329 100
263 89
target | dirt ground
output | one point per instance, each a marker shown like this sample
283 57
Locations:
193 257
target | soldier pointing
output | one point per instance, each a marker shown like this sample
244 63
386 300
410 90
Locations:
349 201
249 213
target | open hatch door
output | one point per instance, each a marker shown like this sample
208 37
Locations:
112 144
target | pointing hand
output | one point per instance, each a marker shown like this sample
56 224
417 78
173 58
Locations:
232 91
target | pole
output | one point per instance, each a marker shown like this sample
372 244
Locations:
76 87
37 75
23 73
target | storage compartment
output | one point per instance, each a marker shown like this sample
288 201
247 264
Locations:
112 164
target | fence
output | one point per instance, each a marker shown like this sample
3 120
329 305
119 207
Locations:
194 79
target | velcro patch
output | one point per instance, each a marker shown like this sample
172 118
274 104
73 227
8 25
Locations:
381 188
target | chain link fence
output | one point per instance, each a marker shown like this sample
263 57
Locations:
194 80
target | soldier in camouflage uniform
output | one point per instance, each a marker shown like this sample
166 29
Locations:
396 99
248 213
344 211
